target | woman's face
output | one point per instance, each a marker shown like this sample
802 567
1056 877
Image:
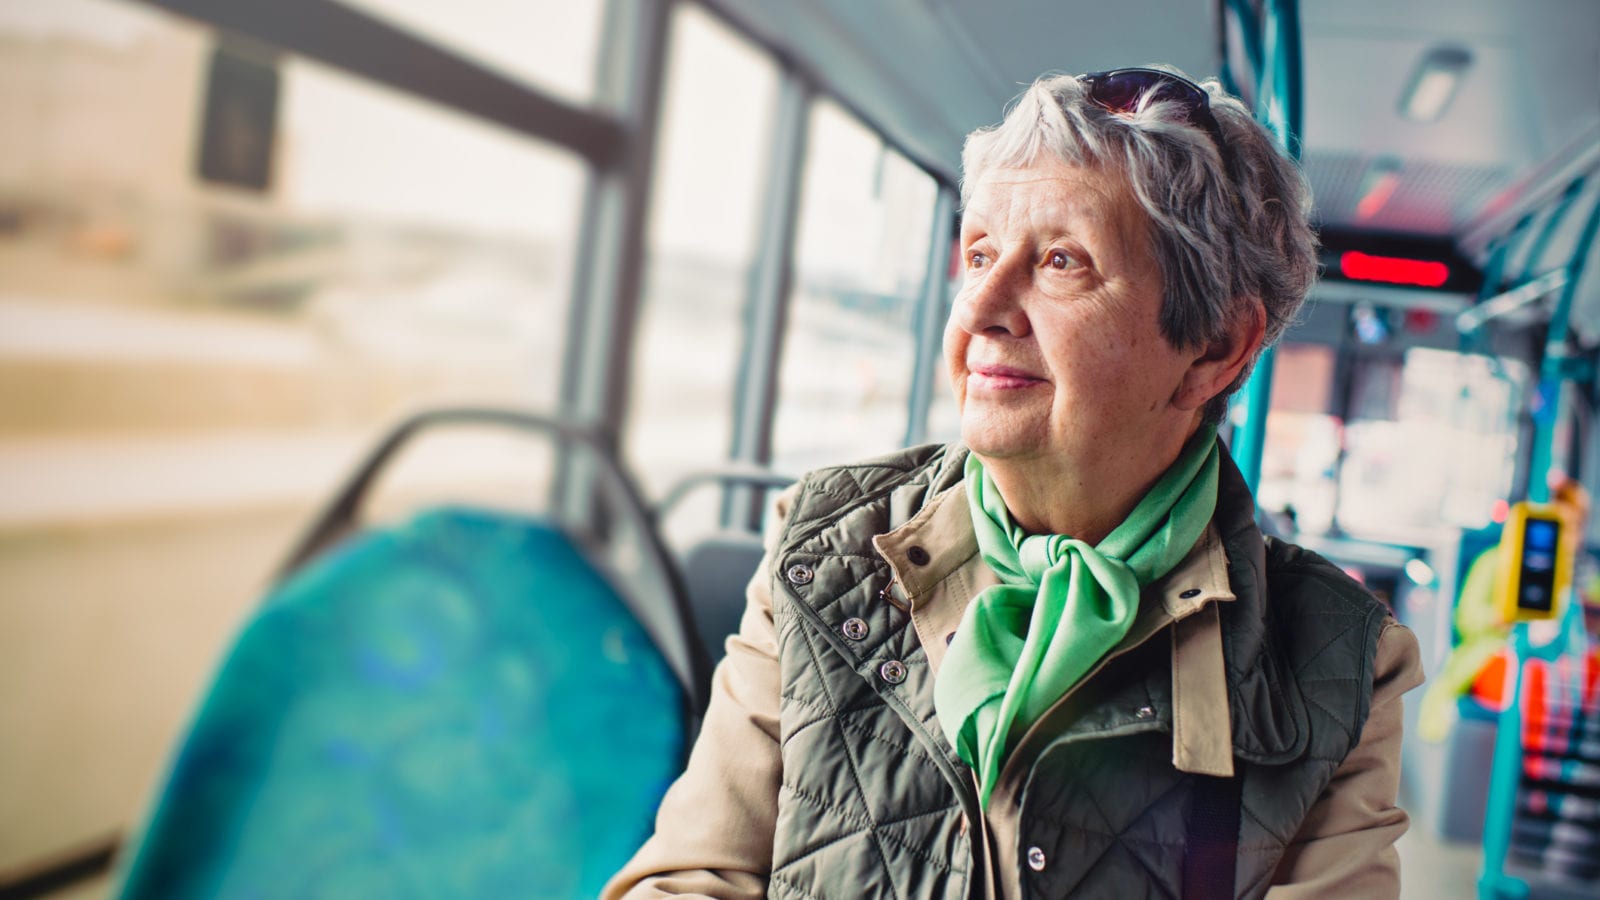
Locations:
1054 344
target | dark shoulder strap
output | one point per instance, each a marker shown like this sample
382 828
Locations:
1212 849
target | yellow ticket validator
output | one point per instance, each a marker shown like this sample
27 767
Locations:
1535 563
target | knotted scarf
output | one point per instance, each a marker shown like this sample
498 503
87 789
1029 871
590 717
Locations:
1059 606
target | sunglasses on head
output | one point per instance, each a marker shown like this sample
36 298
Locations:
1122 90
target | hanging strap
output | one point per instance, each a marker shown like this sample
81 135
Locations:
1212 849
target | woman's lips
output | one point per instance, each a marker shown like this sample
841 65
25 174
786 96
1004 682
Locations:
1001 378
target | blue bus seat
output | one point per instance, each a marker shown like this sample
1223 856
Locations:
459 706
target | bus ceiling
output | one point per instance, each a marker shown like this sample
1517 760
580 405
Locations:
1419 118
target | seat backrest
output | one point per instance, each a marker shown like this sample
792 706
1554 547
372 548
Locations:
457 707
716 572
717 567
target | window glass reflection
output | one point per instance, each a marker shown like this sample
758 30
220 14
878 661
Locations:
717 116
861 254
1445 456
551 44
1427 449
1300 458
944 419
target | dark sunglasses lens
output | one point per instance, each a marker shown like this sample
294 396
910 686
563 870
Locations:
1121 91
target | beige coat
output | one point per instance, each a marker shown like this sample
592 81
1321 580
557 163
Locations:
715 827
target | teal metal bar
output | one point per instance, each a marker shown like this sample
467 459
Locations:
1551 223
1250 30
1505 776
1506 770
1551 371
1250 419
1494 273
1492 881
1284 98
1278 103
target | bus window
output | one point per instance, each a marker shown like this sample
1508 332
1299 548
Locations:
716 118
944 420
187 369
1441 457
551 44
1300 461
861 256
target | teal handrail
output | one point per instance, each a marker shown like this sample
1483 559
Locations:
1273 46
1552 372
1504 776
1505 773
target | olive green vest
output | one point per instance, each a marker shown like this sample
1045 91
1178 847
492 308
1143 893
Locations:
873 796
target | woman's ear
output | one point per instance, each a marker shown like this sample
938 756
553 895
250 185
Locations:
1221 361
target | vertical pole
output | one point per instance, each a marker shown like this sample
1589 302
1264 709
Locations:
1278 103
608 275
771 280
1250 429
930 318
1505 775
1506 770
1552 367
1493 276
1249 34
1535 461
1477 340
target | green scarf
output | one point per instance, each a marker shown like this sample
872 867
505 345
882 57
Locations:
1060 605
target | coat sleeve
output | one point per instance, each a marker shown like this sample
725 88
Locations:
1345 847
714 830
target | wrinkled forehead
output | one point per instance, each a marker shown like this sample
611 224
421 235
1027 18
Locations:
1054 194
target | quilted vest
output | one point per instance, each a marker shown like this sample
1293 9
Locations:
874 800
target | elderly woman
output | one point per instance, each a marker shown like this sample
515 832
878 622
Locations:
1059 659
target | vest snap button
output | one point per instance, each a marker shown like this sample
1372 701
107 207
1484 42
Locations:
1036 860
854 629
799 573
1144 712
1190 594
893 671
918 556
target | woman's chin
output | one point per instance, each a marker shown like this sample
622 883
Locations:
1002 439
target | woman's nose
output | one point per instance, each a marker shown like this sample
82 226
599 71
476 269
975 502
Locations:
991 305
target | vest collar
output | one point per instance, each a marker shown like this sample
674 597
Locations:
1250 697
927 550
1270 724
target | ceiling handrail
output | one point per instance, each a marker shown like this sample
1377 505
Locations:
1510 301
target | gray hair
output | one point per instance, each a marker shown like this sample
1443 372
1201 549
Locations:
1227 227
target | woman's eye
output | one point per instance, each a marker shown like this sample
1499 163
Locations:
977 260
1061 259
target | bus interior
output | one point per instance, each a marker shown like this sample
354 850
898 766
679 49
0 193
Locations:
279 279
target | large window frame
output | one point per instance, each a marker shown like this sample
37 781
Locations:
616 136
